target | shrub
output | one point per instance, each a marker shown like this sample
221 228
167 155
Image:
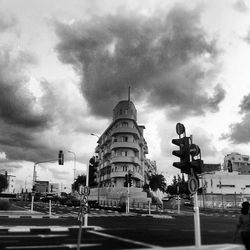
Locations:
4 204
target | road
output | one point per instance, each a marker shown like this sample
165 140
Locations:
113 230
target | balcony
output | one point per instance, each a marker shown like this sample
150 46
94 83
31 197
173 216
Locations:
125 159
137 176
118 174
131 145
106 151
122 174
126 130
106 163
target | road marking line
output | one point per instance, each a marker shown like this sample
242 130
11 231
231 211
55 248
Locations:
126 240
51 235
51 246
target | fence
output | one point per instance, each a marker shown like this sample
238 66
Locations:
222 201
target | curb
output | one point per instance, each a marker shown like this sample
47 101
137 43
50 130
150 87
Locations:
42 229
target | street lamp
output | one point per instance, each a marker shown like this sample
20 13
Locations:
74 163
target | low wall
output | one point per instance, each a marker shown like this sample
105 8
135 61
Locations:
222 201
116 195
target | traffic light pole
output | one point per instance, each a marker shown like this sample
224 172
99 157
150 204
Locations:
34 182
127 199
197 228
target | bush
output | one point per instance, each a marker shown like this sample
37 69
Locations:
4 205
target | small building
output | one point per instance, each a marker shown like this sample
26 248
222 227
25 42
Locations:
42 186
235 162
224 182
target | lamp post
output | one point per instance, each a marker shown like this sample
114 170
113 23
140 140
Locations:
74 163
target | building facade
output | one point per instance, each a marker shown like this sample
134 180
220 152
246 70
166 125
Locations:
122 148
225 183
235 162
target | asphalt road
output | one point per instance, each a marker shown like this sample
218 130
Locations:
118 231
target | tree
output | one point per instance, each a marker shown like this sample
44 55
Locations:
158 182
178 186
80 180
3 183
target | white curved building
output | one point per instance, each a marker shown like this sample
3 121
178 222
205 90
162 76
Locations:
122 148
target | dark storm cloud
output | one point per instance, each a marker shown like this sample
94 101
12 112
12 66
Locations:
240 132
16 102
20 121
162 58
245 104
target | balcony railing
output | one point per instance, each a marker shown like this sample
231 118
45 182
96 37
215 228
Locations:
125 130
125 159
131 145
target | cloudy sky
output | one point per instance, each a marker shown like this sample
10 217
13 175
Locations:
65 64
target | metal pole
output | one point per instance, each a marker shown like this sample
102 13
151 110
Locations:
74 163
178 202
87 184
149 207
79 235
32 204
49 207
197 229
128 198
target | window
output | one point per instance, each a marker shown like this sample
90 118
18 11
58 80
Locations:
124 138
124 124
126 111
226 185
125 153
125 168
120 111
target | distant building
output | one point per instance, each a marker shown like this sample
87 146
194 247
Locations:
54 188
226 183
122 148
11 182
42 186
235 162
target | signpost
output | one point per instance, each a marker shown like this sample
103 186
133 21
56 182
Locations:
193 184
192 167
84 192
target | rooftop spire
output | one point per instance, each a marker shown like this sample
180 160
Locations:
129 93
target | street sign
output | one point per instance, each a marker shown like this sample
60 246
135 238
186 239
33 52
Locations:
193 184
180 129
84 190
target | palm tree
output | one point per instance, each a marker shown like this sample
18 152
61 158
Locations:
158 182
80 180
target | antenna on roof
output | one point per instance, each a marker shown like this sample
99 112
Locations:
129 93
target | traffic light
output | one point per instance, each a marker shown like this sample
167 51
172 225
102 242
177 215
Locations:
128 180
182 153
196 164
60 158
93 165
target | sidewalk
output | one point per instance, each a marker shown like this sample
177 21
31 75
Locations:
24 214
